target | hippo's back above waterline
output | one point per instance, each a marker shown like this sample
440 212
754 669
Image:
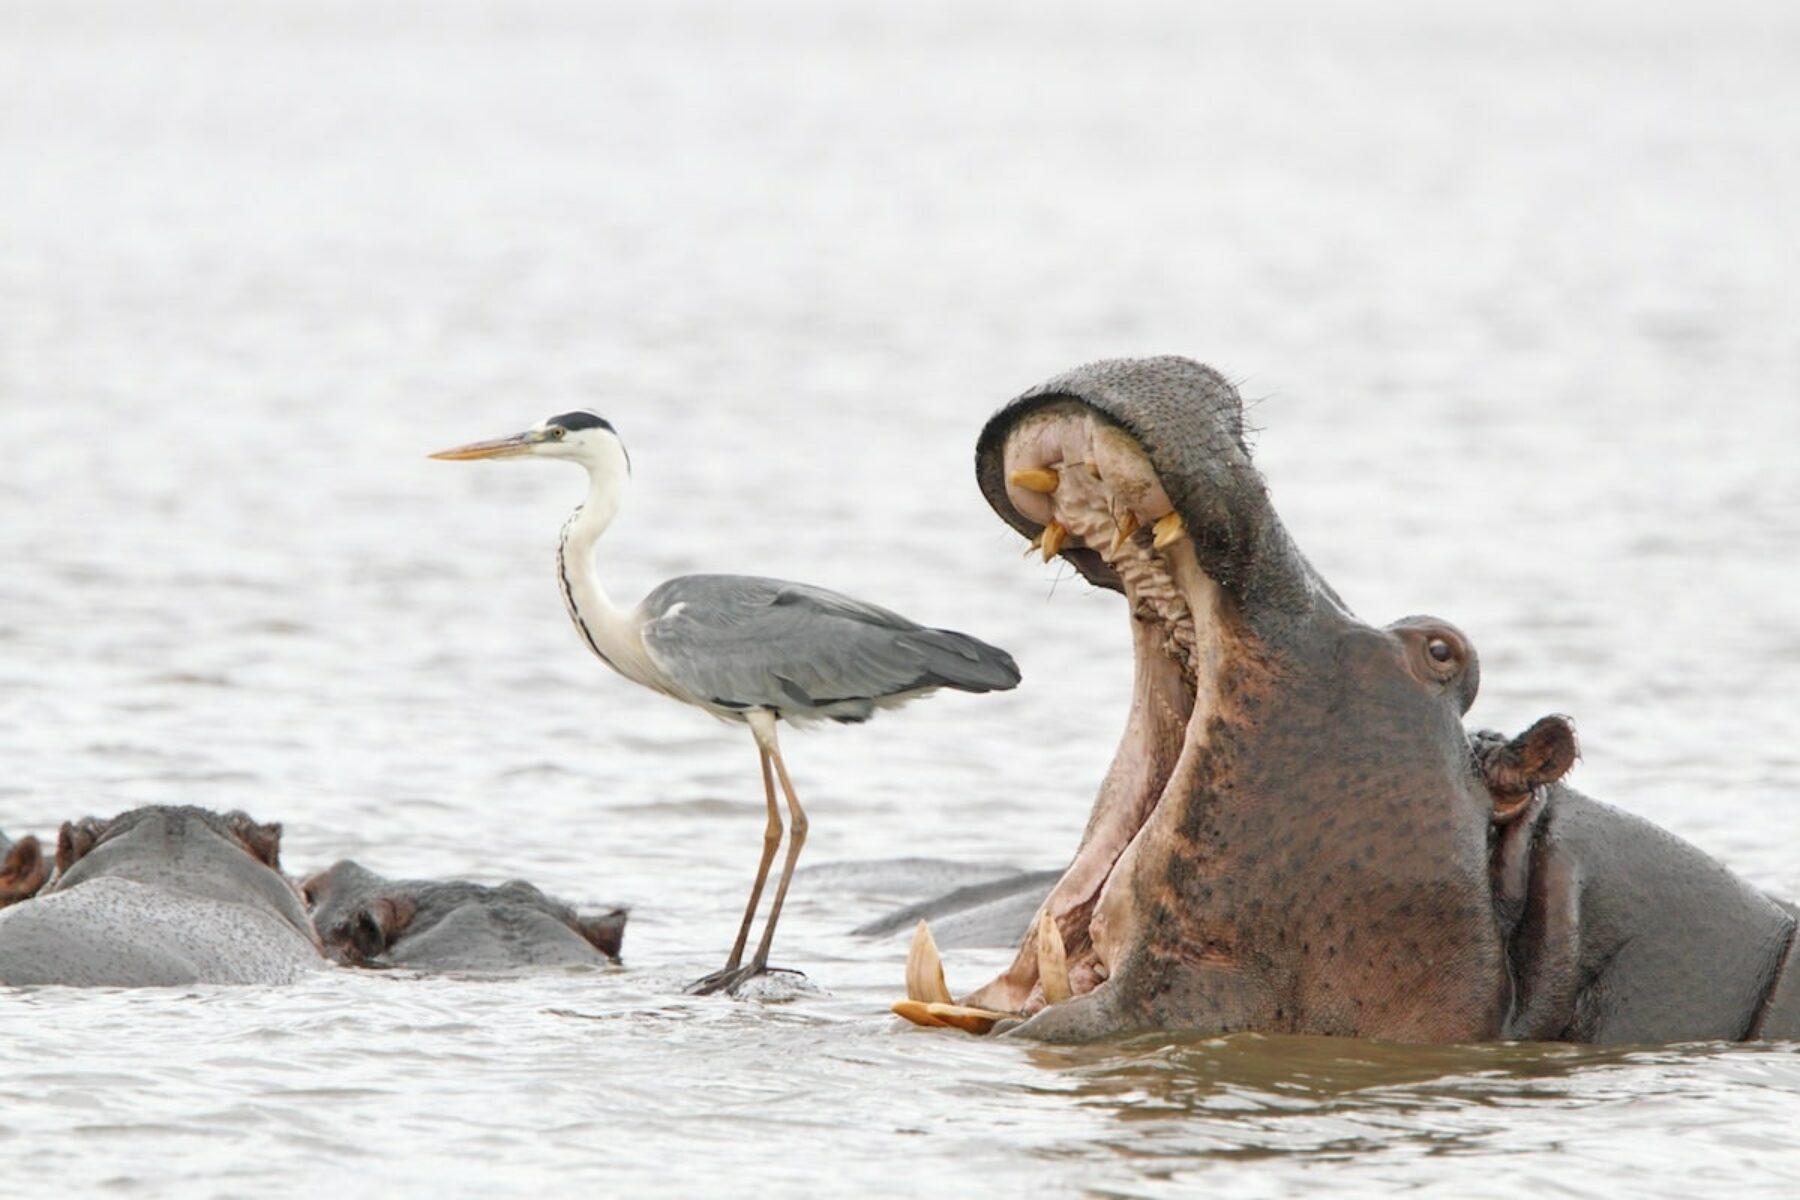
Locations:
121 933
161 896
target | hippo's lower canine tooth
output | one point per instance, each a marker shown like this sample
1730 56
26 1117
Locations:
1052 960
969 1020
1041 480
916 1011
1055 534
925 970
1168 530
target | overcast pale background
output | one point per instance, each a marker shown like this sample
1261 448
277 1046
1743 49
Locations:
1510 285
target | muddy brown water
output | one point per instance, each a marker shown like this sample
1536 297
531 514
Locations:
1510 286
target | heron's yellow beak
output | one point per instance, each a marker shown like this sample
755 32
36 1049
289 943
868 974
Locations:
506 447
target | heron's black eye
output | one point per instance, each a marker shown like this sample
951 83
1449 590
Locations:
1440 650
557 434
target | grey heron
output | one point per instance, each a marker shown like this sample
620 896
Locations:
745 649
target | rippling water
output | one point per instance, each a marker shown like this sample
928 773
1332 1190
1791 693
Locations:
1511 285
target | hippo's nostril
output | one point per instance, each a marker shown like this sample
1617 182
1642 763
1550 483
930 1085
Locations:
367 937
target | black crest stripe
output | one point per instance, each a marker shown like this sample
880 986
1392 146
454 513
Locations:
582 419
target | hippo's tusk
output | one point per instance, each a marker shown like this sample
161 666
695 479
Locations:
925 971
1127 525
1169 530
956 1016
969 1020
1055 534
1052 961
928 999
916 1011
1041 480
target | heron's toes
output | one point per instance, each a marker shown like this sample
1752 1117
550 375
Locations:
719 981
731 980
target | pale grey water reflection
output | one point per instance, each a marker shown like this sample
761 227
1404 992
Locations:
1511 286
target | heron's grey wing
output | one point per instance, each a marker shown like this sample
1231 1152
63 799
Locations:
740 642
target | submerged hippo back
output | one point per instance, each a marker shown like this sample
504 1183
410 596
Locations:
120 933
492 937
161 897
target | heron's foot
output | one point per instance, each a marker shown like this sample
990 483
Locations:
730 979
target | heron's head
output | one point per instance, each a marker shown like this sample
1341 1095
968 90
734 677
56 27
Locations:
581 436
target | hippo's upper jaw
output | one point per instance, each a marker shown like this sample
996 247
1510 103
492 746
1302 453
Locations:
1147 438
1292 835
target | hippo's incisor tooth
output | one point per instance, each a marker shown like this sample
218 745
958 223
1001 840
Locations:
969 1020
1055 534
1052 961
925 970
1037 544
1128 525
1169 530
1041 480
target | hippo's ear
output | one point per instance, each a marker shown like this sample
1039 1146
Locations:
23 872
313 886
262 841
75 839
1537 758
605 930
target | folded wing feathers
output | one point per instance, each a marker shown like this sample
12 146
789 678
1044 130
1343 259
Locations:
764 642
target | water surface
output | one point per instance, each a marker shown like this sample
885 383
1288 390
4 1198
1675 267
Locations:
1510 287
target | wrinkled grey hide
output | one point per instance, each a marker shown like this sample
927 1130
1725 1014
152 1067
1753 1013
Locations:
161 897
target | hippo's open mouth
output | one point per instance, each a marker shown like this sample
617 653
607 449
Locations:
1089 482
1089 486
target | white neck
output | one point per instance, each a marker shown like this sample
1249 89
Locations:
609 631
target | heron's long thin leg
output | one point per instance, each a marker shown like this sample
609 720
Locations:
771 839
796 839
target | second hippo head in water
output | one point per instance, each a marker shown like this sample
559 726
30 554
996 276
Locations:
366 920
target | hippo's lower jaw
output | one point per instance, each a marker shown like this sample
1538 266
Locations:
1093 488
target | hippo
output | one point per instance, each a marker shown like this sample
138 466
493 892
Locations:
23 869
161 896
364 920
982 914
1298 833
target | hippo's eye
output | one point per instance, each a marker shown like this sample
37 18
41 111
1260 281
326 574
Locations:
1438 655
